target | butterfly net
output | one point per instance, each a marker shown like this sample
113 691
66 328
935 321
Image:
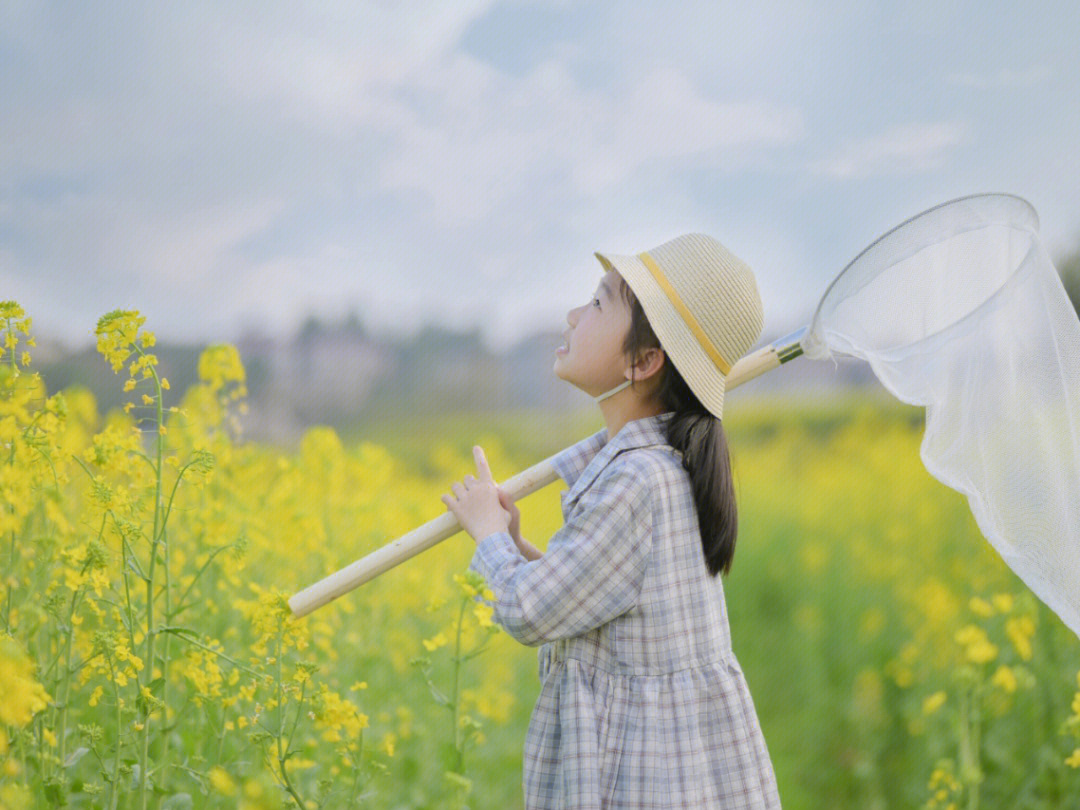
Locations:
961 311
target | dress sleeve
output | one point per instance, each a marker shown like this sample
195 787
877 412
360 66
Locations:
591 572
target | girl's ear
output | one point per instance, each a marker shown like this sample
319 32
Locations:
649 362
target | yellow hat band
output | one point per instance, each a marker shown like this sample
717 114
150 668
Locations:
687 316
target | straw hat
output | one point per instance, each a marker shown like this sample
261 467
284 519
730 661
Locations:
702 302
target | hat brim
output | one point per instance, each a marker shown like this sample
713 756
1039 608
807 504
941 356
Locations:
705 379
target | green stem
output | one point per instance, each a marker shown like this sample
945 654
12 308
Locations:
180 633
67 679
119 736
976 715
283 755
151 635
356 771
459 765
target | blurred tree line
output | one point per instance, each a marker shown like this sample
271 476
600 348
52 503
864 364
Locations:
1068 268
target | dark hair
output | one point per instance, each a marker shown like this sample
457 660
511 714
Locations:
699 436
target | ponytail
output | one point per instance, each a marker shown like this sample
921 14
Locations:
700 437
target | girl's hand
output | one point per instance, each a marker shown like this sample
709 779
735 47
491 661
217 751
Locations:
475 502
515 515
527 549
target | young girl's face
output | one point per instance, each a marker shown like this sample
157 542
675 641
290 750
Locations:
593 358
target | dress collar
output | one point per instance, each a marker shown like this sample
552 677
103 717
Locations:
580 464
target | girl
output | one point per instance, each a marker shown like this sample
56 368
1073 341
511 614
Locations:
643 703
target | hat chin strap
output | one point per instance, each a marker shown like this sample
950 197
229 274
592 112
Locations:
614 390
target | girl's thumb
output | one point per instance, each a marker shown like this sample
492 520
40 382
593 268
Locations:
504 500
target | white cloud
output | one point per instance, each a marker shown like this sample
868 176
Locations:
900 150
483 137
335 68
192 249
264 157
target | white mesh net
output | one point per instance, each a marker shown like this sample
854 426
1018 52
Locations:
960 310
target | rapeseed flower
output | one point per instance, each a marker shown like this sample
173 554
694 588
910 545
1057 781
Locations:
23 695
978 649
1005 678
933 702
1020 629
221 781
436 641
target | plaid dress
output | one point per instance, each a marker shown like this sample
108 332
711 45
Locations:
643 703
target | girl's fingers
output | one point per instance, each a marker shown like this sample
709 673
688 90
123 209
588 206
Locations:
481 463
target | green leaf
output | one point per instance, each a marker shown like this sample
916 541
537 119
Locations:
76 755
54 792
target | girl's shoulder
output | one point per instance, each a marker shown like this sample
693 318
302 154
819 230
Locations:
644 469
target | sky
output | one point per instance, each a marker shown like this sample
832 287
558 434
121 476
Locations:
230 166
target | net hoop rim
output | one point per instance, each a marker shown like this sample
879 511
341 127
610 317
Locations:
812 330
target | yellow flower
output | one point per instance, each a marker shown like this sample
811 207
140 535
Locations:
221 781
435 642
980 607
1074 759
1005 678
466 586
219 365
165 383
129 385
337 715
483 614
978 648
358 685
23 695
934 702
1003 602
435 604
147 399
982 652
116 332
1020 630
970 634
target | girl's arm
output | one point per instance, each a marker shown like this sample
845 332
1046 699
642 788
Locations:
591 572
527 549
